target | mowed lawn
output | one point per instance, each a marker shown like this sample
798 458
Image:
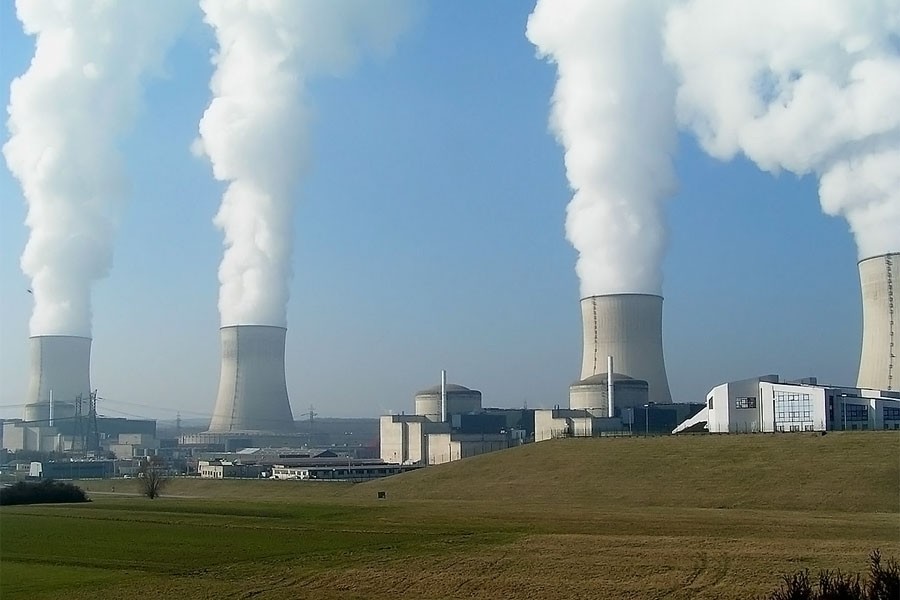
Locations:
672 517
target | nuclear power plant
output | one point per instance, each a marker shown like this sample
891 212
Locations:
878 360
627 327
253 393
60 376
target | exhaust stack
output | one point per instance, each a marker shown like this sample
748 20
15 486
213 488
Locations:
610 387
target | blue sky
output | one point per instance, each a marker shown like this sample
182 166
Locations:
430 235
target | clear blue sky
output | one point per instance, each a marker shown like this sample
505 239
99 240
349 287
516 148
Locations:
429 235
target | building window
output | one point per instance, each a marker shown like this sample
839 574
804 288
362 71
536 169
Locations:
856 412
710 403
748 402
891 413
792 407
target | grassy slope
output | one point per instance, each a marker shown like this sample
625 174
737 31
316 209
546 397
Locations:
789 472
702 517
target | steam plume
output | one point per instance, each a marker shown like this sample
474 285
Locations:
255 130
810 86
66 114
613 113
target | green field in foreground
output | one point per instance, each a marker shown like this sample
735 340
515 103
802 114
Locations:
672 517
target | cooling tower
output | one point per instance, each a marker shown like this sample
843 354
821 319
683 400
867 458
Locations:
878 284
252 389
61 367
627 327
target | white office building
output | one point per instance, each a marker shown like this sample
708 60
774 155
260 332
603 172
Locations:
766 404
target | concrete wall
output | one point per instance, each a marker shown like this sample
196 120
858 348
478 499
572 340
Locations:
548 426
404 438
447 447
139 439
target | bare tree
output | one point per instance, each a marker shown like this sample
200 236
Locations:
152 479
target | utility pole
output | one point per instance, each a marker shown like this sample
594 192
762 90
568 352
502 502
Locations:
79 437
93 431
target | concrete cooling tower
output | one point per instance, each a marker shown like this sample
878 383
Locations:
61 368
252 389
627 327
878 361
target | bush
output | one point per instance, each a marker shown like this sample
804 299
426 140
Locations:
41 492
883 584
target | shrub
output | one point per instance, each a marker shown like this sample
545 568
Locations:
41 492
883 584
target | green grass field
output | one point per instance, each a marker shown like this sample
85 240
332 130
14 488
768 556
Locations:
672 517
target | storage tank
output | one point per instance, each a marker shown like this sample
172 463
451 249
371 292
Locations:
628 327
60 366
878 285
252 388
593 393
460 400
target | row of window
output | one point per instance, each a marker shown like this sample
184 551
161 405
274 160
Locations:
856 412
748 402
794 415
794 428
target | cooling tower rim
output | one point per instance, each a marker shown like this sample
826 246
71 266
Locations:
621 294
884 255
59 335
253 326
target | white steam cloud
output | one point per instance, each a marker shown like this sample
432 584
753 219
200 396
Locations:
255 130
66 114
808 86
613 114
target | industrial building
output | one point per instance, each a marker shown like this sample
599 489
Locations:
77 434
766 404
293 463
450 424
